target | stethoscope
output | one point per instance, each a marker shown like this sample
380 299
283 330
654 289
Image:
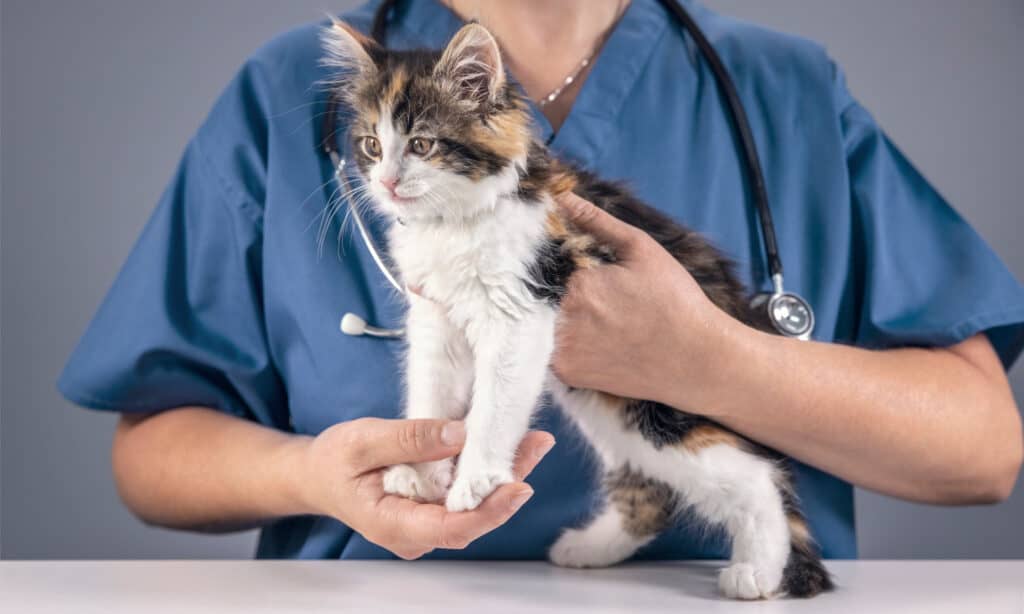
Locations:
789 313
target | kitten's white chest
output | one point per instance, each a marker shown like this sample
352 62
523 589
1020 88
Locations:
475 269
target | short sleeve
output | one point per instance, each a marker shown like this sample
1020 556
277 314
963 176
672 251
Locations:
183 323
926 277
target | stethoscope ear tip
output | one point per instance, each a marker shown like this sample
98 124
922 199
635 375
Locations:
353 325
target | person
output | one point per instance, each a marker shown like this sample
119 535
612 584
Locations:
242 405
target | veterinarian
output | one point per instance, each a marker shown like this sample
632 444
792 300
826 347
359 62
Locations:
242 405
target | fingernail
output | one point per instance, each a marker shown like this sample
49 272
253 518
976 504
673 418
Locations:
542 450
453 433
518 500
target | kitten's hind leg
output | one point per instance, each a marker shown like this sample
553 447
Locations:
636 510
750 496
736 490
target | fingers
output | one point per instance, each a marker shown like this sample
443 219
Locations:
432 526
597 221
461 529
533 448
371 443
418 528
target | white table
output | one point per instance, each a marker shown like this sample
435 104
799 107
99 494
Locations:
225 587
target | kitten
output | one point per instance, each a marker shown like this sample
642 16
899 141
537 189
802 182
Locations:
444 144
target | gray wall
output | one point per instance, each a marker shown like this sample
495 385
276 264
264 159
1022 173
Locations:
99 97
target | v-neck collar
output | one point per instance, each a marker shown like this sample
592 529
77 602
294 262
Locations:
590 123
587 129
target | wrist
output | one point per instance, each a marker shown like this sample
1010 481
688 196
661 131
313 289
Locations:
294 480
711 364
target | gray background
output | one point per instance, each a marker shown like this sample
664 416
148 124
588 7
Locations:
99 98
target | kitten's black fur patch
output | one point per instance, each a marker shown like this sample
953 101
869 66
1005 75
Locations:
466 159
790 504
804 574
660 424
402 114
551 272
552 268
533 179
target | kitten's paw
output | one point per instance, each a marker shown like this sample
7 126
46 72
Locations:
745 581
424 481
435 478
402 480
469 489
580 548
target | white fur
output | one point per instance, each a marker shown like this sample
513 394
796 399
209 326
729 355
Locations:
486 330
439 380
480 342
601 543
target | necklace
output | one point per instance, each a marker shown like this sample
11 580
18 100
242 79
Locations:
583 64
555 93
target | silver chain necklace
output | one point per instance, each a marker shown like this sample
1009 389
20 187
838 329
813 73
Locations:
555 93
584 63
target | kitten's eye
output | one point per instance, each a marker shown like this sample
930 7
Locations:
371 146
420 146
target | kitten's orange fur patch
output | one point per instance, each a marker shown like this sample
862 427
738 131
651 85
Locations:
556 225
561 182
389 97
505 134
579 245
707 435
799 534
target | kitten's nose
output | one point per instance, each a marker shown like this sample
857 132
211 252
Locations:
390 183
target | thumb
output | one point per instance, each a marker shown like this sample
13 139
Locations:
591 218
376 443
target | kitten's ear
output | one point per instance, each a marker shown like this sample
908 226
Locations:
348 48
472 63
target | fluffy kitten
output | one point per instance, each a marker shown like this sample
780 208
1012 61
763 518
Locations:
445 146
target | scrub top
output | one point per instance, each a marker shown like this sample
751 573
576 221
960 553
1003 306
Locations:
226 301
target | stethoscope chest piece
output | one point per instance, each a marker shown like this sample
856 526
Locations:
791 315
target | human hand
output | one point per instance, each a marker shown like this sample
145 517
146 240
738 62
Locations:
343 469
641 327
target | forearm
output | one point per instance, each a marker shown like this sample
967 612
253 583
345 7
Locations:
199 469
921 424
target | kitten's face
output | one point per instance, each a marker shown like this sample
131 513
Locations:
435 135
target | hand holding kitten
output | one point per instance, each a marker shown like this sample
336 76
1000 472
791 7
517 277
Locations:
630 327
344 468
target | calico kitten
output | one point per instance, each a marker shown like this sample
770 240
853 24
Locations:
445 147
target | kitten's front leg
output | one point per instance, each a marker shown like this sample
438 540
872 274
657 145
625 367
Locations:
439 372
512 359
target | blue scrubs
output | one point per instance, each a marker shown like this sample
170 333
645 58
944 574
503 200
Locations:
225 302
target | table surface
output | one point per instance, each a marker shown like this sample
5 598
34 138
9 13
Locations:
199 587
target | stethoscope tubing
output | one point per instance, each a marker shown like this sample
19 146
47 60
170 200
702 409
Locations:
351 324
342 178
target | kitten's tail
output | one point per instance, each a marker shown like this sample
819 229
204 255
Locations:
804 574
